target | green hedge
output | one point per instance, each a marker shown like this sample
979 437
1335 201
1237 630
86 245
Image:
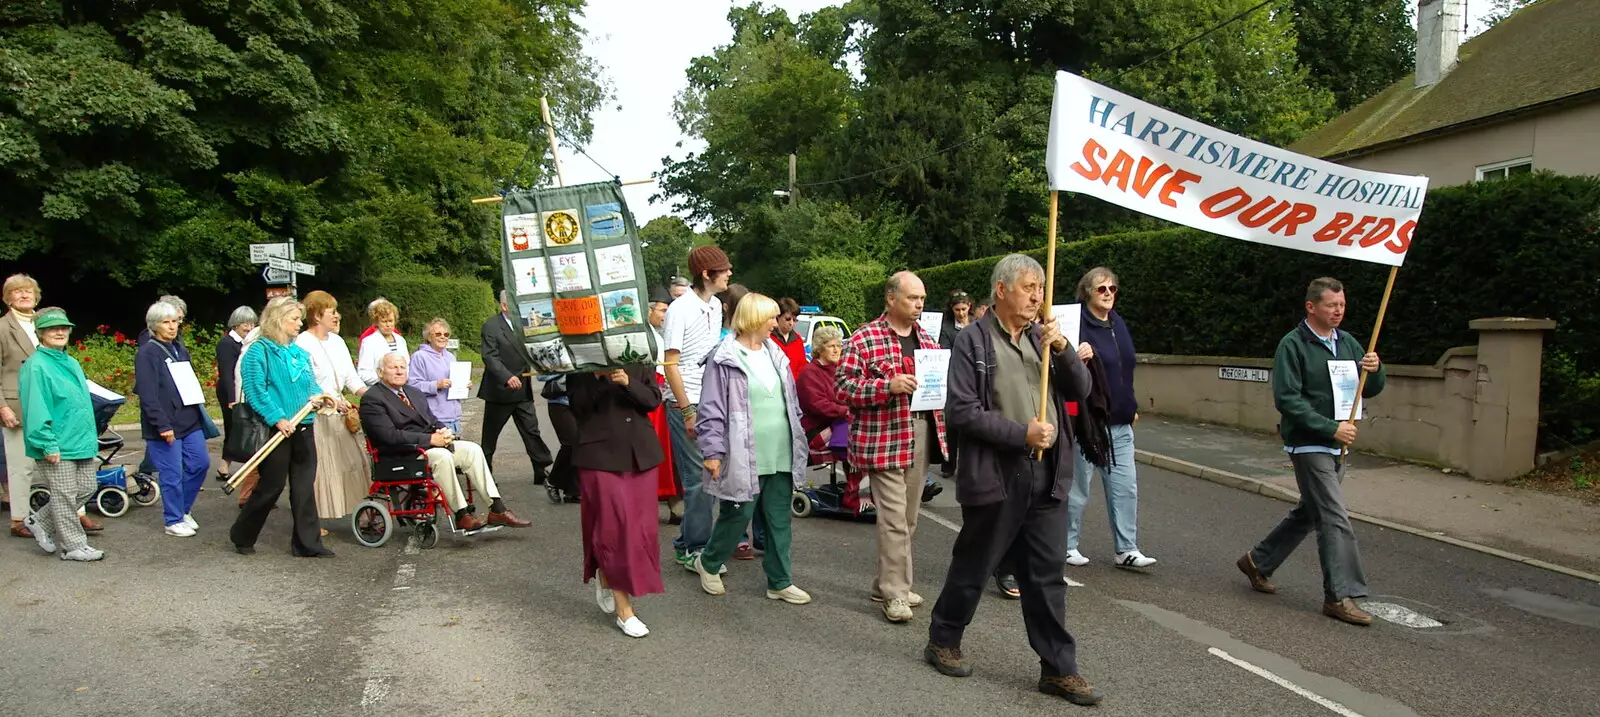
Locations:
842 287
1527 246
465 303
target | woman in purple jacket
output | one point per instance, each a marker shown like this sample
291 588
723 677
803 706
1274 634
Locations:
430 374
1105 423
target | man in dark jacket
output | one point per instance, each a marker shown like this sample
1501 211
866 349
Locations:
1316 429
1012 476
504 392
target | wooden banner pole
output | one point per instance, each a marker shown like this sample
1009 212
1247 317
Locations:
267 448
1372 345
550 133
1049 296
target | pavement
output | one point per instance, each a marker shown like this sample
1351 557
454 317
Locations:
1541 529
501 624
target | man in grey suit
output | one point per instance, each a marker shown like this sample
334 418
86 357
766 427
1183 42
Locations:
507 392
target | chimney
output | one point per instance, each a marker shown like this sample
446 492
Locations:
1438 39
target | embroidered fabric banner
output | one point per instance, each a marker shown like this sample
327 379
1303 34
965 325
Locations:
572 261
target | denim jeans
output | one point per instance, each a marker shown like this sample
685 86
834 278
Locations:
1121 485
182 466
1321 508
695 531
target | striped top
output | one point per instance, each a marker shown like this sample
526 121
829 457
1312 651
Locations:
692 327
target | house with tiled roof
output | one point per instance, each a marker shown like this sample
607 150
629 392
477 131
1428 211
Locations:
1522 96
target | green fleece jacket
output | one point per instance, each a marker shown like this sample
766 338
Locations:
57 415
1302 390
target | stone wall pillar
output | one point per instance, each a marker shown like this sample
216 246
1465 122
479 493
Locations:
1505 410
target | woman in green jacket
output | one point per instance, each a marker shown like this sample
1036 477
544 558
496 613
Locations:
58 430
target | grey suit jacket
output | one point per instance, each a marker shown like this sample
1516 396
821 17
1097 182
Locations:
15 347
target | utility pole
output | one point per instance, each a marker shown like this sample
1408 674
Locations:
792 189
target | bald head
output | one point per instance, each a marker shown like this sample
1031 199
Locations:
393 369
903 298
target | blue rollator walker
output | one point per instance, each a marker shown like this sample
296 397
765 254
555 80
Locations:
112 496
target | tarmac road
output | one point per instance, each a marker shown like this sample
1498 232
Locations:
499 624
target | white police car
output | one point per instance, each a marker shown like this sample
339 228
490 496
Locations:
811 319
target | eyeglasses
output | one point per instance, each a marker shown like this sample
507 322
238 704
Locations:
441 334
1107 289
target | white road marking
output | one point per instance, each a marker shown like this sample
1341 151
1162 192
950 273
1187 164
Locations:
1290 686
941 520
376 689
1399 614
403 575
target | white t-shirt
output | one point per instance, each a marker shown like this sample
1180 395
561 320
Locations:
692 328
27 327
330 359
661 350
373 348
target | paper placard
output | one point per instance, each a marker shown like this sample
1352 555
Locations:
103 392
932 367
931 322
460 380
1069 319
1345 376
188 385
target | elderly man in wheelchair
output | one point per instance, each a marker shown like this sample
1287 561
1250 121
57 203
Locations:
398 423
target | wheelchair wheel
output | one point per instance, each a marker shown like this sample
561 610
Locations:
801 505
111 501
427 535
147 492
372 523
38 498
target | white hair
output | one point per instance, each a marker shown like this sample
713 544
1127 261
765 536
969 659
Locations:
159 312
386 359
1010 269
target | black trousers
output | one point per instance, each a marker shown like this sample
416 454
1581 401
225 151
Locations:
293 462
1028 529
562 475
495 416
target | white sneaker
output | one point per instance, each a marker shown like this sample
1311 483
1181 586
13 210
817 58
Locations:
189 521
791 595
1134 559
1076 559
632 627
897 610
712 584
40 535
604 598
84 554
180 530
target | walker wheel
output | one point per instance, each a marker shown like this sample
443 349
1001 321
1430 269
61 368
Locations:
38 498
801 505
148 491
372 523
427 535
111 501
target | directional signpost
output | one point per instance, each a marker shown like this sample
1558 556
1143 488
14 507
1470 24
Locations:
281 268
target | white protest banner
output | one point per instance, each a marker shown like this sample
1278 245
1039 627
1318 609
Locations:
1069 319
932 365
931 322
1131 153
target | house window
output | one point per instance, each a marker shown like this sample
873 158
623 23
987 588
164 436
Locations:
1501 170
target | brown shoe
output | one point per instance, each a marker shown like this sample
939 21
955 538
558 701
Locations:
89 526
1348 611
947 660
1072 688
18 530
470 522
508 519
1247 565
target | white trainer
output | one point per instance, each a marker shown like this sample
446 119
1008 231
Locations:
791 595
632 627
84 554
189 521
1134 559
712 584
912 599
40 535
1076 559
604 598
897 610
180 530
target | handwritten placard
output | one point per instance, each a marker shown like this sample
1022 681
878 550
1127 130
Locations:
581 316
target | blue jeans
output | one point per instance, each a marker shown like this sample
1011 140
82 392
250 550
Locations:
454 426
182 468
1121 488
695 531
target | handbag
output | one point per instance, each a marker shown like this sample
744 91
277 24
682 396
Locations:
208 427
249 433
352 420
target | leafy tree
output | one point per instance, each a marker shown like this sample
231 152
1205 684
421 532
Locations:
1502 9
1355 48
667 241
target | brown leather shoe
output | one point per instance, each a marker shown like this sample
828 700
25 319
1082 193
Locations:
1072 688
947 660
1247 565
18 530
508 519
1348 611
470 522
89 525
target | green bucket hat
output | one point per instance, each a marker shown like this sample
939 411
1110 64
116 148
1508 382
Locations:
51 318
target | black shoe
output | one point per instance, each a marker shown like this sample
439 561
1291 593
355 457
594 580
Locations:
929 490
1008 586
222 477
245 549
318 553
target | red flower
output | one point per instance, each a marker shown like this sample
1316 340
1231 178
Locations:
87 359
104 328
119 337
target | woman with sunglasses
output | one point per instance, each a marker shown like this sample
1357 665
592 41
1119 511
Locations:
1104 423
430 374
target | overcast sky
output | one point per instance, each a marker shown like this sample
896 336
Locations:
643 49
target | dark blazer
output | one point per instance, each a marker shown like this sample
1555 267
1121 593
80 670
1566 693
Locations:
160 406
394 428
614 429
227 358
504 356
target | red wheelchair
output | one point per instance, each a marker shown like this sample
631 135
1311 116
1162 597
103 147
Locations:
403 493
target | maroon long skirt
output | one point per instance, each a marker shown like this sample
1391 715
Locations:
620 524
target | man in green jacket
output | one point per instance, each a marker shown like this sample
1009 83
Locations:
1314 379
59 432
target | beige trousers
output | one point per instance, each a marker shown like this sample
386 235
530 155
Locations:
19 468
467 456
897 494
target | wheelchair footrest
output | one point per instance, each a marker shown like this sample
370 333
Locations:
480 531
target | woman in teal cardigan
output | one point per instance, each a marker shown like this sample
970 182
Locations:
276 380
58 430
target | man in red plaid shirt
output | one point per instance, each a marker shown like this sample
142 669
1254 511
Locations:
889 443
